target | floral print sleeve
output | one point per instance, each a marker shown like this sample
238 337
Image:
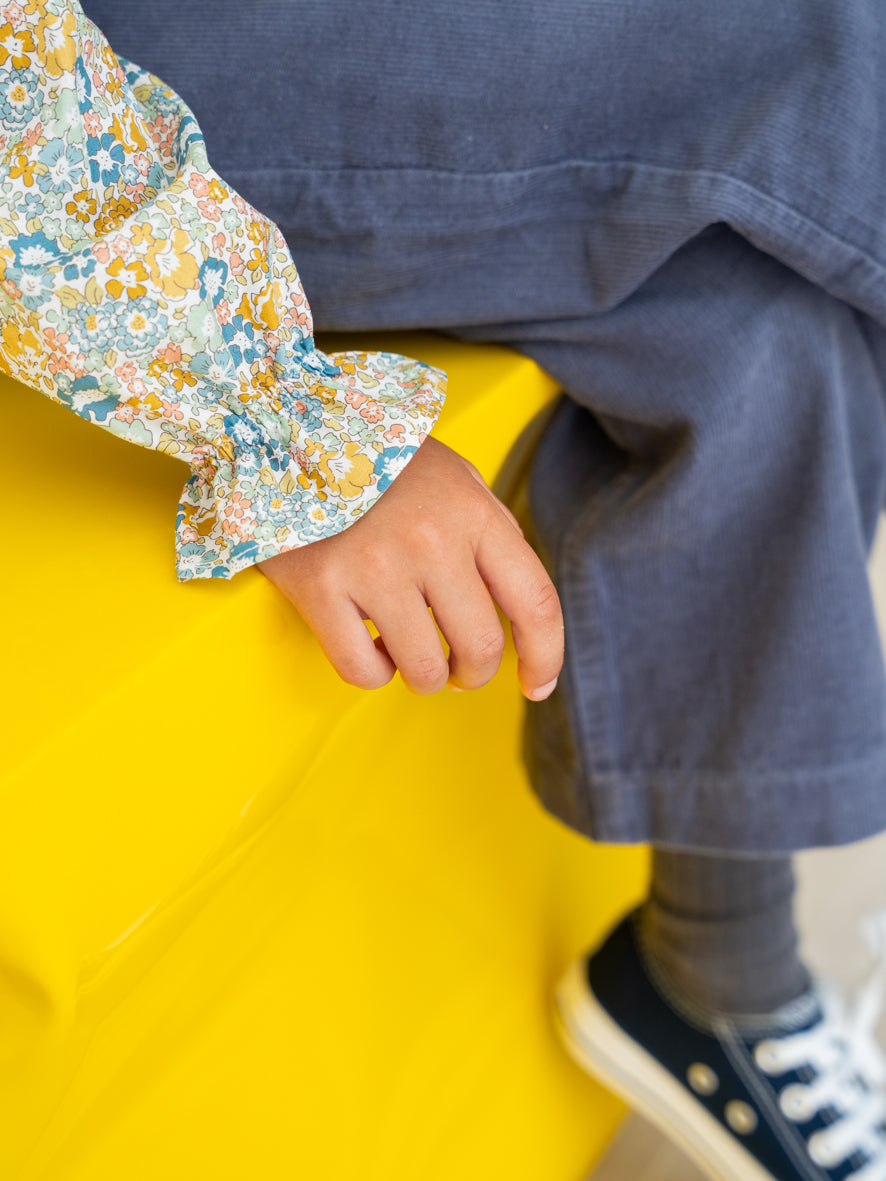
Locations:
139 290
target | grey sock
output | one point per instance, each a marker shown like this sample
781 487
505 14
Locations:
721 930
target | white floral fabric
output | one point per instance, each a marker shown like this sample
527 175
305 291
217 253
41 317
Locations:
140 291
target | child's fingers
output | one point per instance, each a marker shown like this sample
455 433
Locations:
348 646
411 640
522 588
468 619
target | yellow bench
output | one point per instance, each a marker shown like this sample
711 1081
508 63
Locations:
255 923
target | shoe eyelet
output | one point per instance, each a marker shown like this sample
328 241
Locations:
741 1117
702 1079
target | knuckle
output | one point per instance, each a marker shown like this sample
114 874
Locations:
375 567
361 673
476 665
427 535
489 646
544 604
427 674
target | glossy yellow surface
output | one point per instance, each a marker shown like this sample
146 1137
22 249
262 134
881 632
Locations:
255 923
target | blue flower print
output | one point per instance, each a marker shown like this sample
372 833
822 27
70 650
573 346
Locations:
64 162
156 178
34 250
106 156
212 276
391 463
140 326
312 520
97 326
243 431
216 367
81 266
306 410
84 85
253 445
245 549
32 206
18 98
187 131
239 336
63 384
134 326
287 361
132 73
91 402
35 286
316 362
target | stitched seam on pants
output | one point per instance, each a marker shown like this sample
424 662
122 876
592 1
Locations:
728 180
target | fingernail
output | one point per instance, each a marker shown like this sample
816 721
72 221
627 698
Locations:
543 691
453 688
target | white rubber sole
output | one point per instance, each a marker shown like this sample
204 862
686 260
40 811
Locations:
609 1055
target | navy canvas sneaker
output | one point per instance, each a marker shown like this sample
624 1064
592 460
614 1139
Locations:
797 1095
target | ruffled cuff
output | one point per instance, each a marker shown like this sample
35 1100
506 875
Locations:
272 483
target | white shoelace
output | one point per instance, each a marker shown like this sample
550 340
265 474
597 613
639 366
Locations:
850 1070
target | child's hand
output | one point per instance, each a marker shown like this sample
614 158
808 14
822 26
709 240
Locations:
438 538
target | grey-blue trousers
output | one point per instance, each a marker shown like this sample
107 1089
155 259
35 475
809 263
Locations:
678 207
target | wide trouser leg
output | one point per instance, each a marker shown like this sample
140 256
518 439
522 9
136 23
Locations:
706 498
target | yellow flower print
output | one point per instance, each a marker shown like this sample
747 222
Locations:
260 308
108 56
18 348
59 46
25 167
114 213
173 268
263 380
257 261
346 472
198 519
128 277
217 190
182 377
247 311
140 234
82 205
327 394
15 47
114 82
131 135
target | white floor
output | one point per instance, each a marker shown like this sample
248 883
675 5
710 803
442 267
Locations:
836 888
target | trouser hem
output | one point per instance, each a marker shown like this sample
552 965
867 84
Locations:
739 812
